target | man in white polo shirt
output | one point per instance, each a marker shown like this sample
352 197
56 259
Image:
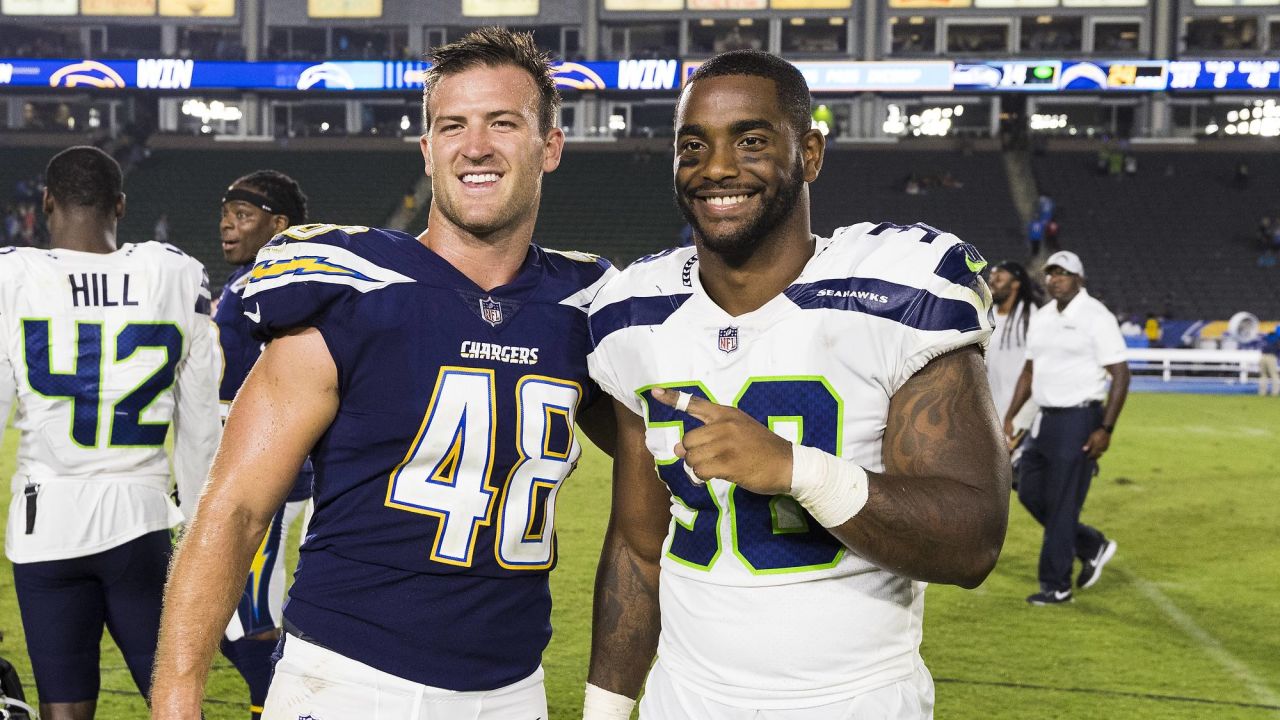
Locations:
1073 344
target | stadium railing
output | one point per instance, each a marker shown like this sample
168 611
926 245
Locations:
1194 364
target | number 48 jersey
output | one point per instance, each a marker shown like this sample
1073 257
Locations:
761 606
435 484
103 352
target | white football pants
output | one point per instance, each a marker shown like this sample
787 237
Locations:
908 699
312 682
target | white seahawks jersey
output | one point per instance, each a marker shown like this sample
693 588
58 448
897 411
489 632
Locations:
103 352
761 606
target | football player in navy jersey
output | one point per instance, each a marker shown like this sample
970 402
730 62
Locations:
435 381
255 208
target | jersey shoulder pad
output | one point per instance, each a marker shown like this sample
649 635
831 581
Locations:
917 275
187 273
303 272
646 293
575 277
913 255
665 273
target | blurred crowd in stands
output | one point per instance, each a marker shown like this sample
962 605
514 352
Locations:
921 183
22 223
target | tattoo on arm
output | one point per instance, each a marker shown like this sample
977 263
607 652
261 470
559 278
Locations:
938 512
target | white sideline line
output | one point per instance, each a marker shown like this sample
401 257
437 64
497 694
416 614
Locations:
1261 692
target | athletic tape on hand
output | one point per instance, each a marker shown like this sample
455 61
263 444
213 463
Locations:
600 704
682 401
831 489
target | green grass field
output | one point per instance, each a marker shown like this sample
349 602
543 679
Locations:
1184 624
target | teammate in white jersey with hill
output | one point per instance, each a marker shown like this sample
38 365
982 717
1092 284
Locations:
103 348
819 413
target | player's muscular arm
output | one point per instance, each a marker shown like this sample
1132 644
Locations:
287 402
939 511
625 621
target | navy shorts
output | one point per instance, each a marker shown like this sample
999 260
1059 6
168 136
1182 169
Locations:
66 603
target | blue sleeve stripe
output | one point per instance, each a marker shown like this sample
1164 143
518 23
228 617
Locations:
961 264
652 310
913 307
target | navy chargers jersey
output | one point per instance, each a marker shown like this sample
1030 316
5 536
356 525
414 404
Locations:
240 350
435 485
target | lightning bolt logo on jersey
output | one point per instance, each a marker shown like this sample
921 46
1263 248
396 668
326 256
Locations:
818 365
435 486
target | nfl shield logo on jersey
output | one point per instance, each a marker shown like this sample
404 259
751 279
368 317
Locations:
491 311
728 339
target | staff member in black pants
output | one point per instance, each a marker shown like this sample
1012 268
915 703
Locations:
1073 343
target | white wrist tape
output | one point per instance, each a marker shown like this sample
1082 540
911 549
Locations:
831 489
600 704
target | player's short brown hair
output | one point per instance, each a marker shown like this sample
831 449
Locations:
494 47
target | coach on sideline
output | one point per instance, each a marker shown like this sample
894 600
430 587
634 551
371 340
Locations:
1073 343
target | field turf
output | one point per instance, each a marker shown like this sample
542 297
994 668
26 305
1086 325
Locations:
1184 623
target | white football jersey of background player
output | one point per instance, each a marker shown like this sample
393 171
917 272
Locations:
761 606
1006 354
103 352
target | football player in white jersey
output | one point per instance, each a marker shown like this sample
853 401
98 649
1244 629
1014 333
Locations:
1016 298
103 348
805 439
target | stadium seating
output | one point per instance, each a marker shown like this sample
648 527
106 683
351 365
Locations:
614 203
866 184
21 163
1177 238
637 214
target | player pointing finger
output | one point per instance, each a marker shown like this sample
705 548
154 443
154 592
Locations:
730 445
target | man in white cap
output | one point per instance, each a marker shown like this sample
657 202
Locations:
1073 344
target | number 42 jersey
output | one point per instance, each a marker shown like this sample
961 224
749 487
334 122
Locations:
103 352
435 484
761 606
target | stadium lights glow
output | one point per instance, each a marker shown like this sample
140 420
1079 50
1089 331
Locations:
617 122
1048 122
929 122
324 127
404 122
216 110
1260 118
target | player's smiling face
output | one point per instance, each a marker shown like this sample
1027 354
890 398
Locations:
245 228
485 151
739 169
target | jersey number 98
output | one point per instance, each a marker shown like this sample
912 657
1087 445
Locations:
770 534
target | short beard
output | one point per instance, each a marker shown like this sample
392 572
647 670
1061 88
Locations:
739 247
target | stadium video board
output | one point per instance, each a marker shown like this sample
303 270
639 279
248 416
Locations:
178 74
660 75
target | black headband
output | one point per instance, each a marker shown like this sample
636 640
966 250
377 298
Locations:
275 207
